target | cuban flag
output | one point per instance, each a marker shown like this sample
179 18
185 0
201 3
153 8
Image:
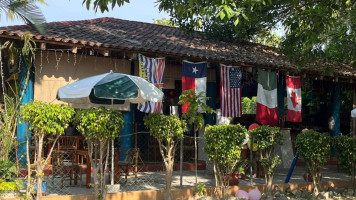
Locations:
193 77
152 69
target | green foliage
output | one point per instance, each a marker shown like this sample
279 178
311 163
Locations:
346 151
164 21
267 38
313 146
223 145
46 118
8 124
8 186
8 170
103 5
165 128
266 138
249 105
200 189
195 108
225 20
99 123
27 11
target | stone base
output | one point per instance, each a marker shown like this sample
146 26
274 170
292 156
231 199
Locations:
113 188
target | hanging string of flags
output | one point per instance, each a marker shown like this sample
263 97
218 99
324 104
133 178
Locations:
194 76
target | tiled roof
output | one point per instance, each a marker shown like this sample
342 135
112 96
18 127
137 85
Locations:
152 38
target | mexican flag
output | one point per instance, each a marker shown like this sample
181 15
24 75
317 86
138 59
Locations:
294 98
267 107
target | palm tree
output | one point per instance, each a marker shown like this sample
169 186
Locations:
26 10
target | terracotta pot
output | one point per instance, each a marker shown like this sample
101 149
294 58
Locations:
234 179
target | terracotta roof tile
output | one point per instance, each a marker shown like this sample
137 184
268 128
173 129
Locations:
132 35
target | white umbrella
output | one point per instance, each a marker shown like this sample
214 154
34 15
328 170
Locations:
109 89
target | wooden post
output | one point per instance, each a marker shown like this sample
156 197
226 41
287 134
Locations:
137 151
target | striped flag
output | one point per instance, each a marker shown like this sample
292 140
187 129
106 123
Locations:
230 91
267 106
193 77
152 69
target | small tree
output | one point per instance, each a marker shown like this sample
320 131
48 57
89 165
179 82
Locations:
266 138
167 130
314 148
44 119
99 126
223 146
194 116
346 153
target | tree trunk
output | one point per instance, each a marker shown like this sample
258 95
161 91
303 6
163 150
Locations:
167 153
28 188
269 180
316 179
39 168
353 178
168 177
196 154
219 184
92 147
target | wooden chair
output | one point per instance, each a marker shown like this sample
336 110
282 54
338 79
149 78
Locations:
130 162
66 143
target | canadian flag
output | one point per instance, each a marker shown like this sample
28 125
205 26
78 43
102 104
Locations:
294 98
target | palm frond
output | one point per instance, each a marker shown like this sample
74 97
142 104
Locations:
27 11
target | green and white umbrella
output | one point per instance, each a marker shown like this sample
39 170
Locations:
109 89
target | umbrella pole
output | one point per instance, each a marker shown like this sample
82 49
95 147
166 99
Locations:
112 162
112 152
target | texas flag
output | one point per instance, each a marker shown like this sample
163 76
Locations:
193 77
294 98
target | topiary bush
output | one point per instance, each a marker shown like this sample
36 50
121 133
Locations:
314 148
167 130
45 119
223 146
266 138
99 126
346 152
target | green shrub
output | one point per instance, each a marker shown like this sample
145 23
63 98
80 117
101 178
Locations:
346 153
223 146
167 130
266 138
314 148
99 126
45 119
8 170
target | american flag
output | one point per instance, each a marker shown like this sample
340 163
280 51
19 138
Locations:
152 69
230 91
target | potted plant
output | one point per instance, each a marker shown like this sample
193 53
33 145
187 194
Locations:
266 138
45 119
167 130
314 148
223 146
99 126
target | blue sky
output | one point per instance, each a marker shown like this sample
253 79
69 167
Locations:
67 10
